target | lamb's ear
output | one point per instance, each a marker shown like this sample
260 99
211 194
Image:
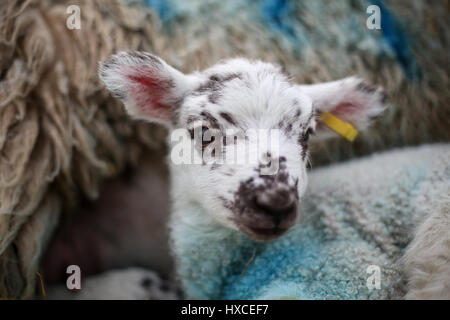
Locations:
148 86
350 99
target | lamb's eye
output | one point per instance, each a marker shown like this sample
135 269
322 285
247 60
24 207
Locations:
307 134
206 139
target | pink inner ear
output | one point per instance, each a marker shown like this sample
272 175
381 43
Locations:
150 92
346 110
351 112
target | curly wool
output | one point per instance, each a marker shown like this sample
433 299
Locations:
60 133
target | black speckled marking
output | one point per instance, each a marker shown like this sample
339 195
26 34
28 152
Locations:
365 87
214 85
214 123
228 117
145 57
146 282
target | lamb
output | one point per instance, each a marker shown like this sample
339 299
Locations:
235 95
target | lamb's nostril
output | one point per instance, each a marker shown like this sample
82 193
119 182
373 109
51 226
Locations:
277 204
269 213
276 212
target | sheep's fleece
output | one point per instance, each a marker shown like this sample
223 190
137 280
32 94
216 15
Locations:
354 216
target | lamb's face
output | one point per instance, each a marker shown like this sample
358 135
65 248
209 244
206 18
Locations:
244 126
249 126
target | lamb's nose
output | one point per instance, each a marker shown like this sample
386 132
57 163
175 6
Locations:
279 204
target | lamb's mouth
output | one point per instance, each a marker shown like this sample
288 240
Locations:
263 228
263 221
263 234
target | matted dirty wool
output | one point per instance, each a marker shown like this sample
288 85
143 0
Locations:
61 133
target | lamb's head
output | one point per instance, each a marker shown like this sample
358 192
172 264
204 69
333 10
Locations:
239 132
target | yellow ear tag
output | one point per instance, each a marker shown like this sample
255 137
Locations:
345 129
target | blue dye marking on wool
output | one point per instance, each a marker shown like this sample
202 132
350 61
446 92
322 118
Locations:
276 13
394 36
283 282
163 8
